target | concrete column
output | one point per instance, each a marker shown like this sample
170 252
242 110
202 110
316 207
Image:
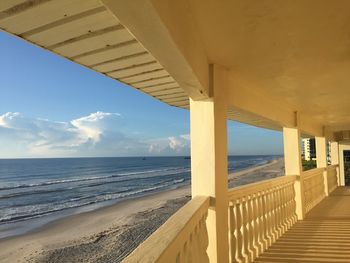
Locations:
292 151
292 163
321 159
321 152
335 158
209 162
334 153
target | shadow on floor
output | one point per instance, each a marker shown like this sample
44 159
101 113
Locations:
324 236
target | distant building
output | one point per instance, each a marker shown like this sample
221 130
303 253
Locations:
309 149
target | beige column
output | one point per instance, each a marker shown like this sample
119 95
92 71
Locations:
209 162
292 163
321 152
335 158
321 159
334 153
292 151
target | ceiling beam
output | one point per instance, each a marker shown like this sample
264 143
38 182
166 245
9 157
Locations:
264 105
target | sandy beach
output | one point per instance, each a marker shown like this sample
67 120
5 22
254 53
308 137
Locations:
110 233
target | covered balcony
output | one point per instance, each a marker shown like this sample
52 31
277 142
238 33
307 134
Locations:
281 65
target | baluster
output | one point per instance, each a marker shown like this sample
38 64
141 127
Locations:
277 212
283 203
183 253
251 226
245 229
203 239
239 218
256 224
280 210
273 215
264 219
233 232
196 248
269 216
293 204
275 218
190 246
289 199
285 206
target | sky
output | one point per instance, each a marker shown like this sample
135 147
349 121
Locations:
51 107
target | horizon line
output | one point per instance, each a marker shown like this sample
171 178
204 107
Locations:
138 156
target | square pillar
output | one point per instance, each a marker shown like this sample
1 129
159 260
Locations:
292 164
321 152
209 162
335 158
321 159
334 153
292 151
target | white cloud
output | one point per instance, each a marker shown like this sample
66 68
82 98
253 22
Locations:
173 144
93 126
98 134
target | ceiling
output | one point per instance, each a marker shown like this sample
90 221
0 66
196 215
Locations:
298 51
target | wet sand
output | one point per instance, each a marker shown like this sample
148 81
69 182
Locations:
110 233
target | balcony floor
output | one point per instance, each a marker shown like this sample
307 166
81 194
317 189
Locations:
324 236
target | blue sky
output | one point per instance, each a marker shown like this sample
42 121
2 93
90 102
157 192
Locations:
51 107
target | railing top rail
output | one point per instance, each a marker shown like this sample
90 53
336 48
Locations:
171 232
333 166
248 189
312 172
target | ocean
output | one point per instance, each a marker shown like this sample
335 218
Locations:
34 192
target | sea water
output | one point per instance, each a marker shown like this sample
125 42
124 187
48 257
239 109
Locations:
34 192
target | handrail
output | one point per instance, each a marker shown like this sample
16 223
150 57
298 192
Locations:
259 213
183 237
332 166
247 189
312 172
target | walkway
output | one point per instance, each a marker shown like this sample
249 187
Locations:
324 236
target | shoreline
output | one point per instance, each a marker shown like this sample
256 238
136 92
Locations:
81 228
69 237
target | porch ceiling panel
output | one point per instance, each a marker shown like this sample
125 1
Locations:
85 32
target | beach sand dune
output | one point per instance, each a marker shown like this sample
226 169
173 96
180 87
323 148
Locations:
111 233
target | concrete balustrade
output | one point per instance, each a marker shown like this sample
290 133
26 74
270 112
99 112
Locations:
182 238
313 188
332 177
258 215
